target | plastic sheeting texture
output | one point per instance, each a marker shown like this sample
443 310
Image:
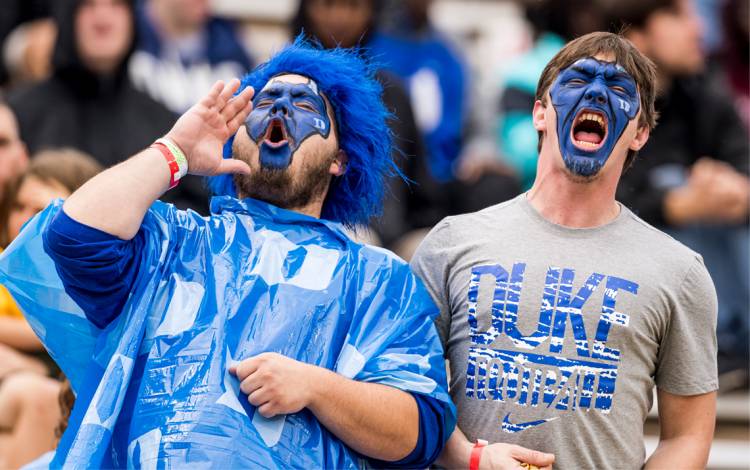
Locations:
153 388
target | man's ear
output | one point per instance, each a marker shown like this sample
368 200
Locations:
640 139
338 165
538 116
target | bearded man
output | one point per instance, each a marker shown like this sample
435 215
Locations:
261 336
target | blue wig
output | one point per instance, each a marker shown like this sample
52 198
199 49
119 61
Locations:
349 84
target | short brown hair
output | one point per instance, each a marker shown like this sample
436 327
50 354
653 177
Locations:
636 64
68 167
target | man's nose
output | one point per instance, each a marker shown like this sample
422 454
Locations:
281 106
596 93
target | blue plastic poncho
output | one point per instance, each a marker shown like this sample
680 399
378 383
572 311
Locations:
153 386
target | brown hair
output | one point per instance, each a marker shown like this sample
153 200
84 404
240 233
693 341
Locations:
636 64
66 398
66 166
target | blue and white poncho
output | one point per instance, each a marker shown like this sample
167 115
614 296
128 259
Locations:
151 376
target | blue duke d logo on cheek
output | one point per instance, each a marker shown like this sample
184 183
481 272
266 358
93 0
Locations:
284 115
594 101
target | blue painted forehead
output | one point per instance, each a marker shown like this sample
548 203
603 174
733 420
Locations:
592 66
311 84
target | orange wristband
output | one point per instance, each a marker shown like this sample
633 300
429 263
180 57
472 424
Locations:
476 454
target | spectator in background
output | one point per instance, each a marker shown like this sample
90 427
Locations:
436 192
436 77
349 24
438 82
29 410
13 160
691 179
734 57
182 51
553 23
32 16
89 103
51 174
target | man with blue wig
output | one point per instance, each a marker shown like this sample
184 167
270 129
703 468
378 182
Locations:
261 336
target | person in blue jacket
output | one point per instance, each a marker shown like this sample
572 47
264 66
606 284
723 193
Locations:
261 336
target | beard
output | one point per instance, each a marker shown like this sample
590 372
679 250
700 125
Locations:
278 186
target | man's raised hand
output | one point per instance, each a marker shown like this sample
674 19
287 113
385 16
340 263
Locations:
202 131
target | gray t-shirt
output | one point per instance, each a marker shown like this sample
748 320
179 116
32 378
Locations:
556 336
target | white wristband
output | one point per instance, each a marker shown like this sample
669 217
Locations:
179 156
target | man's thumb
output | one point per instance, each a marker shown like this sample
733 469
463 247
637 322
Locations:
534 457
230 165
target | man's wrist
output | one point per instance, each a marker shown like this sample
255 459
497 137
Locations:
457 452
318 380
476 454
175 159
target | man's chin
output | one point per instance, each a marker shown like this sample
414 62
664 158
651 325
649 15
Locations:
583 169
265 184
278 187
275 158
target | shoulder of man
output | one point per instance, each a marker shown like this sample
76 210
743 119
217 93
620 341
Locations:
666 250
455 227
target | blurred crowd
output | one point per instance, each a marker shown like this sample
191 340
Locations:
84 84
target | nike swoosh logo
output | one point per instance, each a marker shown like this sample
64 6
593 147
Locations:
518 427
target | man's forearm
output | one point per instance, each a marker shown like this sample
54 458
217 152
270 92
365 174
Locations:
116 200
686 452
376 420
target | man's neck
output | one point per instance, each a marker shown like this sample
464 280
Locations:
314 208
563 200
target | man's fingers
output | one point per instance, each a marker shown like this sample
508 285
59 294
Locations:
267 410
259 397
231 165
236 105
226 94
234 124
247 93
209 100
245 368
533 457
250 385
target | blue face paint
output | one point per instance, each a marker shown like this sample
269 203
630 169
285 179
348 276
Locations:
284 115
594 101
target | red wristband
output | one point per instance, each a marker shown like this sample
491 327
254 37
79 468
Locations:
174 167
476 454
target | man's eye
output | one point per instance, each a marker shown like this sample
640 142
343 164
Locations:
576 82
264 103
305 106
618 89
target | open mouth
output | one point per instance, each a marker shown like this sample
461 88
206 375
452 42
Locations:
276 134
589 130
